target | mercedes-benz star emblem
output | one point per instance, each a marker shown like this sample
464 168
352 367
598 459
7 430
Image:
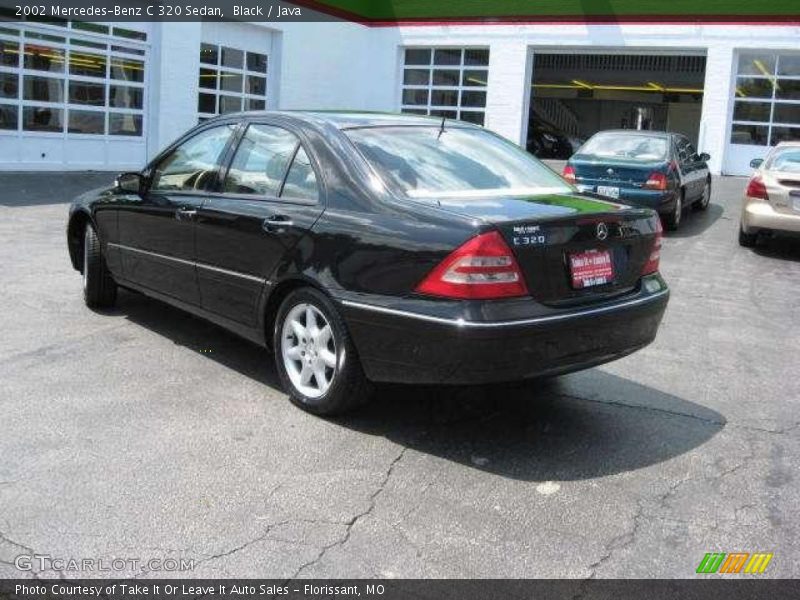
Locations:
602 231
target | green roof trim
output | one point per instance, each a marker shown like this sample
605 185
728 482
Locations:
607 10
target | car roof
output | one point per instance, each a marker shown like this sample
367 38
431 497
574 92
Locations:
354 119
642 132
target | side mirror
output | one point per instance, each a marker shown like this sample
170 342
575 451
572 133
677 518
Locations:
756 162
129 182
705 156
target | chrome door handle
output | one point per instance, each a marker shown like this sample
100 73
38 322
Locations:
185 214
276 223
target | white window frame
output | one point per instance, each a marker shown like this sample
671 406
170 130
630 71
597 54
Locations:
772 100
244 72
138 50
431 108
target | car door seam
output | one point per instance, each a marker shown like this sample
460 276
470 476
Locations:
200 265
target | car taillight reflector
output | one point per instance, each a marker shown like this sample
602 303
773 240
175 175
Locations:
656 181
569 174
756 188
482 268
651 266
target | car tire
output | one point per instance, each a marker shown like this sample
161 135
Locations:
747 240
704 200
320 371
672 220
99 287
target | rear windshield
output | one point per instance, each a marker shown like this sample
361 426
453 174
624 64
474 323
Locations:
628 146
786 160
463 163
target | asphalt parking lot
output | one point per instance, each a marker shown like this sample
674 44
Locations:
147 433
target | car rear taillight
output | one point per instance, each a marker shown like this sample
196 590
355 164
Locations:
482 268
656 181
651 266
756 188
569 174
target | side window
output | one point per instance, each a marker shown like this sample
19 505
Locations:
192 165
261 160
301 182
683 154
691 153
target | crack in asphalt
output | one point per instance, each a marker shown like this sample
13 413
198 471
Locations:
34 573
706 420
59 347
246 544
349 524
8 540
627 538
372 501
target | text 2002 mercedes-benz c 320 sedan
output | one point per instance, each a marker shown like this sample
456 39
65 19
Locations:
376 248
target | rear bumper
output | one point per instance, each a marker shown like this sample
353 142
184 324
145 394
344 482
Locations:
397 345
662 202
758 214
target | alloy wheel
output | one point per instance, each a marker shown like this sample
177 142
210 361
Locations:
678 209
308 349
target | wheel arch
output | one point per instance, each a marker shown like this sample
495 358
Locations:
276 297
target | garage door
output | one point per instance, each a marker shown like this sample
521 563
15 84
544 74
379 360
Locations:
576 94
766 107
72 96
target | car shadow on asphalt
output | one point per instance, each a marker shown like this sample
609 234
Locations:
198 335
575 427
695 222
541 430
779 247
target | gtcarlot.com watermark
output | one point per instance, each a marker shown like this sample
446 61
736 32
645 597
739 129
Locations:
46 562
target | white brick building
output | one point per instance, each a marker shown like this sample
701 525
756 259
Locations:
109 96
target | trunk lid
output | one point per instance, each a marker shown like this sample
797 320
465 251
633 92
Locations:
783 190
618 173
546 231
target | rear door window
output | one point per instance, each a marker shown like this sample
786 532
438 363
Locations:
691 152
261 161
301 181
684 150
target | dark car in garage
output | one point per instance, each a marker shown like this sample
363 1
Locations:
545 140
650 169
368 248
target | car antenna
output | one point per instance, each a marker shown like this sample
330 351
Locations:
441 129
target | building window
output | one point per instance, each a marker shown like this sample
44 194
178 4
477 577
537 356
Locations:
766 108
445 82
230 80
69 84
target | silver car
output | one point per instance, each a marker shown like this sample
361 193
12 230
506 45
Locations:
772 198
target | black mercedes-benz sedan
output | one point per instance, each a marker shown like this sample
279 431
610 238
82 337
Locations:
376 248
